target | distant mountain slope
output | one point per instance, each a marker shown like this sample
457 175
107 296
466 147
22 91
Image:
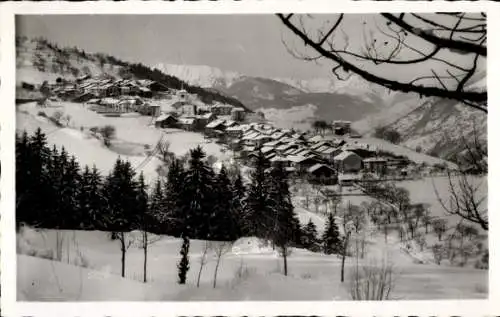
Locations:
350 100
38 60
439 127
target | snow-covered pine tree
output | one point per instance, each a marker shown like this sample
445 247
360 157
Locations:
156 206
172 218
183 265
238 204
259 215
310 237
285 225
91 201
24 180
70 186
142 208
332 244
120 189
225 225
198 197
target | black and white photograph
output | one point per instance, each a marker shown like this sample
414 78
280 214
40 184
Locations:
251 157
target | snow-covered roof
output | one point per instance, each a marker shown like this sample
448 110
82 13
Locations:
238 109
164 117
296 158
267 149
343 155
316 138
315 167
215 123
278 158
186 120
375 159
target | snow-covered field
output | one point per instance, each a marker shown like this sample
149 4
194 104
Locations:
133 133
248 272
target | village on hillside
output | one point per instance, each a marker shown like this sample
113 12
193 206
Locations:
330 156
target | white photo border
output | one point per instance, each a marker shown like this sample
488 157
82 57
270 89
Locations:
11 308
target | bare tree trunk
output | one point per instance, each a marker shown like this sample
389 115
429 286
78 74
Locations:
216 270
145 245
285 262
344 252
124 250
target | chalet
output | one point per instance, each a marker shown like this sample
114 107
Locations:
166 121
316 139
145 92
347 161
188 124
277 159
216 125
329 153
205 119
238 114
234 132
285 147
322 173
302 162
222 109
376 165
341 127
348 179
149 110
187 109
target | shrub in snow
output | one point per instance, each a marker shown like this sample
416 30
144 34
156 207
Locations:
183 266
372 281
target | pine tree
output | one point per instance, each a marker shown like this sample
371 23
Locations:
121 216
260 216
41 185
332 244
183 265
310 237
91 201
69 192
156 207
238 204
198 196
285 225
172 219
225 224
145 219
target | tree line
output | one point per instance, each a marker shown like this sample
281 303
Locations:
192 200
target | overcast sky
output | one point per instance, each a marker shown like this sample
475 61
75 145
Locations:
249 44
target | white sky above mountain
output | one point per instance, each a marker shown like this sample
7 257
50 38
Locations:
248 44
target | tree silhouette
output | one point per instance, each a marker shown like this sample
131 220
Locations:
436 42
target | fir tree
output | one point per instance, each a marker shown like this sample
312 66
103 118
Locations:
225 224
332 244
197 197
285 226
121 216
172 219
156 206
145 219
310 237
91 199
238 204
183 265
260 216
69 192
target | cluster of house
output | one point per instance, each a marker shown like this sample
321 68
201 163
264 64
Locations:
323 159
87 87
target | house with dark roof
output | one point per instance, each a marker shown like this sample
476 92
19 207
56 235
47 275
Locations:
166 121
348 162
